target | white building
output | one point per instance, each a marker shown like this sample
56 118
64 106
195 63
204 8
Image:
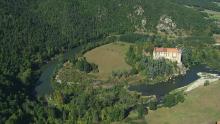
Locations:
172 54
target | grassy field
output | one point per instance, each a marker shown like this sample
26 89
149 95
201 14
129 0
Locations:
202 106
110 57
213 14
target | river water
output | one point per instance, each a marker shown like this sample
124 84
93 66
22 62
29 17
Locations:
159 89
163 88
44 83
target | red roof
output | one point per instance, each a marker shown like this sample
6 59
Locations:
166 49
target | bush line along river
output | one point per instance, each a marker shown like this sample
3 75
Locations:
44 83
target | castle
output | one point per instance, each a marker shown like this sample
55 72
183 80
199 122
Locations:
172 54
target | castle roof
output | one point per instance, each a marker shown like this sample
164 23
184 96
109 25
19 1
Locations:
166 50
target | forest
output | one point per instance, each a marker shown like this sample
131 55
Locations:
34 31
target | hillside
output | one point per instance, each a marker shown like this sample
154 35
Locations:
104 18
34 31
52 26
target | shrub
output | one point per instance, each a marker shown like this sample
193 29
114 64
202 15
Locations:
140 110
173 99
206 83
120 74
153 105
169 100
134 71
85 66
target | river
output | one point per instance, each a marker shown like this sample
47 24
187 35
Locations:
163 88
44 83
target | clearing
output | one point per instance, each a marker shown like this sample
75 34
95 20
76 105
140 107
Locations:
213 14
200 107
110 57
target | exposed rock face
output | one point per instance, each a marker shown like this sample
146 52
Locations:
139 10
144 22
166 25
138 18
140 21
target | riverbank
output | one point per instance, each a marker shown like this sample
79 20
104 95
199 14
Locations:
204 77
178 83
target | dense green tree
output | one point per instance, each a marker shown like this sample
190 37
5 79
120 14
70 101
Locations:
153 105
85 66
140 110
173 99
187 59
26 76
